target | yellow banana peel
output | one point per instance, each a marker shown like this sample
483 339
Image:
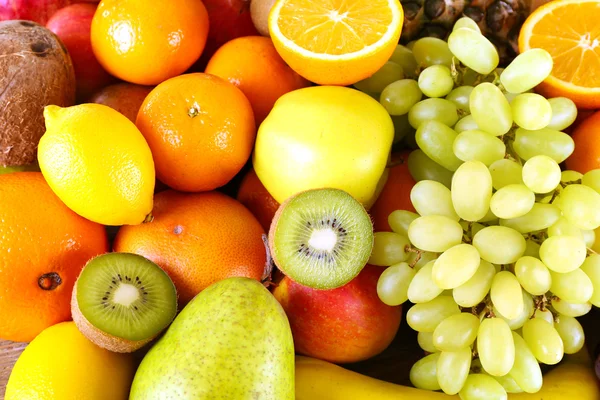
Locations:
573 379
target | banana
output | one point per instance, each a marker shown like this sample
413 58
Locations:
320 380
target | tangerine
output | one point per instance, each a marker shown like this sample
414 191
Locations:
198 239
147 43
253 64
43 247
200 129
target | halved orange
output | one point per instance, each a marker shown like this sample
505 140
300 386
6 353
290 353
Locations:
336 42
570 31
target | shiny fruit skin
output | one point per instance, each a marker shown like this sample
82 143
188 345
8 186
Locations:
252 64
43 247
124 97
227 20
342 325
61 364
98 163
148 45
257 199
586 155
395 194
198 239
313 137
200 129
72 25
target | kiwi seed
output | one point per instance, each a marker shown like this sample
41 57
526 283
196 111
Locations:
121 301
321 238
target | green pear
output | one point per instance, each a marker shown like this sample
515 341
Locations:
232 341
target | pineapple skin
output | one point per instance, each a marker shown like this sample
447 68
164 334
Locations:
499 20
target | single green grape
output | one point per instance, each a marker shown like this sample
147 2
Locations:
496 346
460 97
404 57
531 111
421 167
389 248
434 109
543 340
473 50
455 266
388 73
436 81
400 96
392 285
476 145
506 296
527 70
431 51
471 190
432 198
564 113
435 233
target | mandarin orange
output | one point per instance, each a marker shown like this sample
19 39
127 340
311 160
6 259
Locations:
200 129
43 247
198 239
252 64
149 42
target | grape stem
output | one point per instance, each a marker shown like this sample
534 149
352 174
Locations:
419 253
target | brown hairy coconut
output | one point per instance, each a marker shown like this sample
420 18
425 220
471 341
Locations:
35 71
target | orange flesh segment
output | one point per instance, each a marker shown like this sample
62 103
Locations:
571 34
335 27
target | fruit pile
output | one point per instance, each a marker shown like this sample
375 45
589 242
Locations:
211 199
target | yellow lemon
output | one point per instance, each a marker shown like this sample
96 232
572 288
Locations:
324 136
61 364
98 163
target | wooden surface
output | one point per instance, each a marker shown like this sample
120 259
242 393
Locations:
392 365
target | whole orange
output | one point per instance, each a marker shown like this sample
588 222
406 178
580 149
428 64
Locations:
43 247
586 136
148 42
395 194
200 129
252 64
259 201
198 239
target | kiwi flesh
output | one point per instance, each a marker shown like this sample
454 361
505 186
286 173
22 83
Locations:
121 301
321 238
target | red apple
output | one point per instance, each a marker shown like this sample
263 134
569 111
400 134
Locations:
72 24
34 10
229 19
342 325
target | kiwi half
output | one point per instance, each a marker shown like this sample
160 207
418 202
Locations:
321 238
121 301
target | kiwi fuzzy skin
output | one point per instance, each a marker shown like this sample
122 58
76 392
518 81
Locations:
273 227
101 338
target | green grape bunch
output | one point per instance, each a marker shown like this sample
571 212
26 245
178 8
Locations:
498 261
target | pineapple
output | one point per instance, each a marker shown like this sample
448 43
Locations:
499 20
